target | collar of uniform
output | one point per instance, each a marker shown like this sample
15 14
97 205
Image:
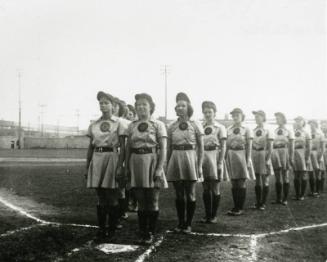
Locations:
112 118
237 125
260 127
215 124
151 119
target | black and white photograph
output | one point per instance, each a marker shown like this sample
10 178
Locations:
163 131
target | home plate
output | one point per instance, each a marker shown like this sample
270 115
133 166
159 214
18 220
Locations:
116 248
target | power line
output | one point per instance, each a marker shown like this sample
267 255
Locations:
19 110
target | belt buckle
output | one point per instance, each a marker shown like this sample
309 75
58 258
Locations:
183 147
142 150
100 149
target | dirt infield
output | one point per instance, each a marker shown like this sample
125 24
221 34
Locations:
67 201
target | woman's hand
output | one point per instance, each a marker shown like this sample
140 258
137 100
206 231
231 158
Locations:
200 171
157 178
248 163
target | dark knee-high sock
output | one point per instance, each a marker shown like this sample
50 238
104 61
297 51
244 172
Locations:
207 200
215 205
265 193
234 194
278 186
241 197
312 184
180 208
286 189
190 208
322 183
258 191
142 217
153 221
102 217
303 187
318 186
113 212
122 205
297 187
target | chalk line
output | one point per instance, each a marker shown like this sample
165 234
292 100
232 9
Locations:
148 252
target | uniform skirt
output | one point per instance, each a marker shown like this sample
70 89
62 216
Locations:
102 170
237 166
259 163
299 160
183 166
210 166
280 158
315 163
142 168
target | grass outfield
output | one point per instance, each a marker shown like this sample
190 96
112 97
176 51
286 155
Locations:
48 153
58 194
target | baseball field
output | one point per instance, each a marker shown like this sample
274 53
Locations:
47 214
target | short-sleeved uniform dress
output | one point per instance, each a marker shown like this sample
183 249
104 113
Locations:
213 135
325 155
237 137
301 137
261 137
104 134
280 155
145 135
183 163
317 142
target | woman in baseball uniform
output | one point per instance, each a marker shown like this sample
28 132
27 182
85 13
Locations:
238 159
214 141
317 158
302 161
323 125
146 155
282 157
105 159
261 157
185 157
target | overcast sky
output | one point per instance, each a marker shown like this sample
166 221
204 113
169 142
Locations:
253 54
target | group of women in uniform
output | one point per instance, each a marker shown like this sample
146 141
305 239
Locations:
132 154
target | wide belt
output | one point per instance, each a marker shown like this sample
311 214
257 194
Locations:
238 148
279 146
144 150
104 149
299 147
183 147
258 149
211 148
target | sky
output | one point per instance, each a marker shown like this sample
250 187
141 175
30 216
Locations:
252 54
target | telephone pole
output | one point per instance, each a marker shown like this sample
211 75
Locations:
77 114
165 72
19 110
42 106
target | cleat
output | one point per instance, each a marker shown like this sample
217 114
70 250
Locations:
148 239
213 220
178 229
301 198
262 207
124 216
284 203
204 220
187 230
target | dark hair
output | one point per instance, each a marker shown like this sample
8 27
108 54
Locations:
131 109
101 94
122 108
148 98
210 105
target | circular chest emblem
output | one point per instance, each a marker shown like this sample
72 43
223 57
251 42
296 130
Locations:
280 132
208 130
236 131
298 134
104 127
258 133
143 127
183 126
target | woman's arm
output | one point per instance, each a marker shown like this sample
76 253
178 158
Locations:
248 150
200 149
89 154
269 150
308 151
222 152
162 156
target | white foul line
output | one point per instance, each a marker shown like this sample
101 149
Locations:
147 252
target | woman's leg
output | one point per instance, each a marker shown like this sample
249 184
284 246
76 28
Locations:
152 208
142 216
265 191
312 182
303 178
235 196
278 185
180 204
297 175
286 185
101 213
241 185
112 210
190 203
258 190
215 190
207 200
318 181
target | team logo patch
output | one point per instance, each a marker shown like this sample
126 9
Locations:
208 130
297 134
143 127
280 132
259 133
183 126
104 127
236 131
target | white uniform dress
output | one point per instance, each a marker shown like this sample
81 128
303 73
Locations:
325 155
237 138
213 135
300 143
261 137
316 152
280 156
104 133
182 165
145 135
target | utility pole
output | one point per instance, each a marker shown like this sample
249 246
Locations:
19 110
165 72
42 106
